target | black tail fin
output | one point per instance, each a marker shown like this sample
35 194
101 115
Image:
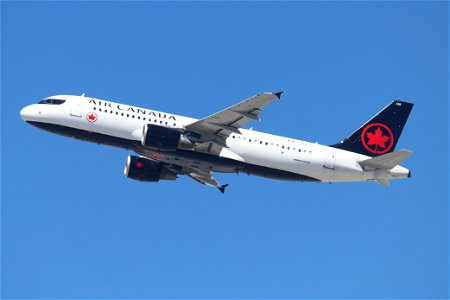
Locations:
381 133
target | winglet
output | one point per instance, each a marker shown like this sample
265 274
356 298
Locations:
222 188
278 94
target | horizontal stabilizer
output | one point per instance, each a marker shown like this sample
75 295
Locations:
386 161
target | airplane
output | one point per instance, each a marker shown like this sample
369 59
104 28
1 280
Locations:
168 145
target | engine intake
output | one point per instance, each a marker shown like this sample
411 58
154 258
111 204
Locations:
143 169
163 138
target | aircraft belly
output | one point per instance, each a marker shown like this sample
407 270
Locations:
179 157
204 161
195 160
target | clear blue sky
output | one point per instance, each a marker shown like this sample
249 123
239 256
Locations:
74 227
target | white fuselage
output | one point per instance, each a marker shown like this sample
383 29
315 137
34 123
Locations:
326 164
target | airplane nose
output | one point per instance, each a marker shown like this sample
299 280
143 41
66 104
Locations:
27 113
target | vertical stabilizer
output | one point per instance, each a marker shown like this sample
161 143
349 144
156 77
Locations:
380 134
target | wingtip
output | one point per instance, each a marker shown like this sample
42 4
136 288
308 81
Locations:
278 94
222 188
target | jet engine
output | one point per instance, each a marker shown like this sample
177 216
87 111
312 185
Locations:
143 169
163 138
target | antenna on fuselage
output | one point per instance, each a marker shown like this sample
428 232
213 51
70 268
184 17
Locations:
82 95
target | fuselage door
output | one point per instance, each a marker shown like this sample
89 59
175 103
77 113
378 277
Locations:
76 111
330 161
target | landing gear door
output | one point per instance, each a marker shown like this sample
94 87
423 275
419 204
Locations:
330 161
76 111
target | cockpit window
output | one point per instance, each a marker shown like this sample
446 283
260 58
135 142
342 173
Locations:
52 101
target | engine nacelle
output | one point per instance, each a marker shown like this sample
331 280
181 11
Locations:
142 169
163 138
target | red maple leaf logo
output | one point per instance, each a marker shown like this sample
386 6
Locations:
91 117
377 138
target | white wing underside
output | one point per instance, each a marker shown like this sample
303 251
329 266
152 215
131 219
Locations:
205 177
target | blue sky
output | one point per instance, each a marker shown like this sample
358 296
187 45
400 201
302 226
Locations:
74 227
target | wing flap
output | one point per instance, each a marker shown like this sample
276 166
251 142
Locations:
206 178
384 182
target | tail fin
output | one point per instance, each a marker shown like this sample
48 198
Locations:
381 133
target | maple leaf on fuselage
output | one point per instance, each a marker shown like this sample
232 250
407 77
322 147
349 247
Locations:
377 138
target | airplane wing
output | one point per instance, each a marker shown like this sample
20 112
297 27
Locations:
201 174
206 178
216 128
